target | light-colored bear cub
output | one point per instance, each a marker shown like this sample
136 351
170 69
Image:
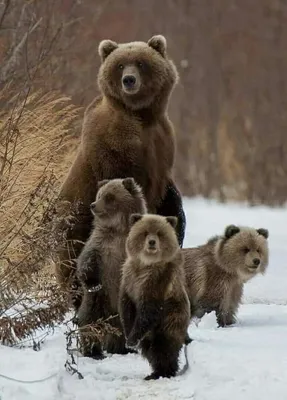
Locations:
216 271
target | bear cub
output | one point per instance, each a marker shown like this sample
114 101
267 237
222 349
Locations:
99 264
216 271
153 304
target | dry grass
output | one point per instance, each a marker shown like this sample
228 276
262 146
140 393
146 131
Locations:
35 150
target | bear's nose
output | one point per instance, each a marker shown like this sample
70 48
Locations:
151 242
93 206
256 261
129 81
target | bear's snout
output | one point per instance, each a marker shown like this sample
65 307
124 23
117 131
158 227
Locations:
129 81
256 262
152 245
96 207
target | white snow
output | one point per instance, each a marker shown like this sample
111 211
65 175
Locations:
247 361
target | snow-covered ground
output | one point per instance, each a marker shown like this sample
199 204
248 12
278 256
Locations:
245 362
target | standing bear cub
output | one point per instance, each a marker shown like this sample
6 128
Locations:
153 303
126 133
99 264
216 271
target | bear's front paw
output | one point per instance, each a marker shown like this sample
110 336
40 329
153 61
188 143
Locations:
90 282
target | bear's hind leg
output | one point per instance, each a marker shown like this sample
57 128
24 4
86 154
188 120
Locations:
115 344
91 348
162 353
91 309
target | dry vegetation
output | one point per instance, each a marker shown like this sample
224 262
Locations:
34 148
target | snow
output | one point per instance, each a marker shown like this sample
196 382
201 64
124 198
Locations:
242 362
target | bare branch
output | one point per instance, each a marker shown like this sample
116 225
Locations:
4 13
12 61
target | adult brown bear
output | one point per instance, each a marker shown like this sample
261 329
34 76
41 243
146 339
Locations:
126 133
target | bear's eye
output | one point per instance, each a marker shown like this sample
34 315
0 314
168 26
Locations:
140 64
121 66
246 250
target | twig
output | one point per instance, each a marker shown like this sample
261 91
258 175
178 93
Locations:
10 63
4 13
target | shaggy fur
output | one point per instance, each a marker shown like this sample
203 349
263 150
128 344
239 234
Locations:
102 257
153 303
126 132
216 271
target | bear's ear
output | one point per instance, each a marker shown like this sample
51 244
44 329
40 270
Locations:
158 43
172 221
129 184
106 47
230 231
135 218
263 232
102 183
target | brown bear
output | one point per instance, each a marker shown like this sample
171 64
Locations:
100 262
126 132
216 271
153 303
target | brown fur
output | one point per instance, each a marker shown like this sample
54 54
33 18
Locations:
125 133
153 303
102 257
216 271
